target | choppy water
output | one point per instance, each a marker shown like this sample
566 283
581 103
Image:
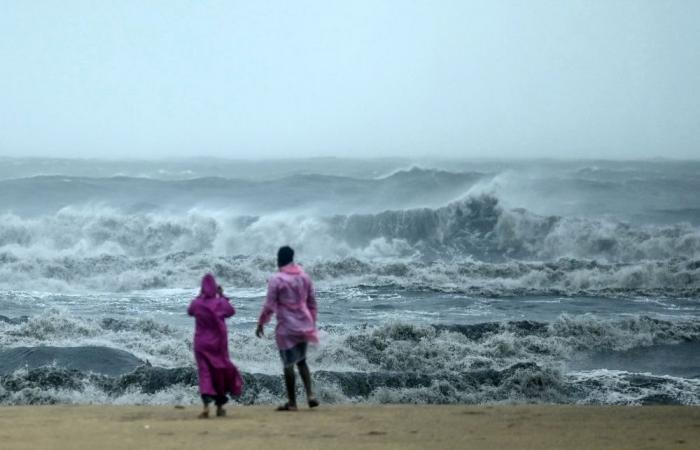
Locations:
439 281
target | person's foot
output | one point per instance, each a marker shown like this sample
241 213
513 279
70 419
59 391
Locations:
313 402
220 412
203 415
287 407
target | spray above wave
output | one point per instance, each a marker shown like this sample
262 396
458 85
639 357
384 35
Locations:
659 192
199 167
404 189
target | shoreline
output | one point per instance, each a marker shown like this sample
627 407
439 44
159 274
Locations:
536 427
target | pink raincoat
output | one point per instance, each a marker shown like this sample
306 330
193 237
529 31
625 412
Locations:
290 295
217 374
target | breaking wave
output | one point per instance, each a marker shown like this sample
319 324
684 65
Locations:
472 245
398 363
536 240
520 383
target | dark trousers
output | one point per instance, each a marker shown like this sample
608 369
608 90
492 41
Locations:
218 400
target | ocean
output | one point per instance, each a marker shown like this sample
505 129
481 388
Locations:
438 281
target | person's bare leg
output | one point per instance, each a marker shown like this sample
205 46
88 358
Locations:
305 374
290 383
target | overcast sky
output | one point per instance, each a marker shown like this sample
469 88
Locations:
565 78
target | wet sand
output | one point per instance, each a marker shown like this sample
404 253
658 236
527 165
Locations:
352 427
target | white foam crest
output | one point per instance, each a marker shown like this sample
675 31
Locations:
94 230
616 387
673 277
146 339
101 249
516 362
90 394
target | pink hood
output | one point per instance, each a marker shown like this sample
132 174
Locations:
291 269
209 286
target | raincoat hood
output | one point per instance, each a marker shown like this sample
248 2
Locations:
291 269
209 286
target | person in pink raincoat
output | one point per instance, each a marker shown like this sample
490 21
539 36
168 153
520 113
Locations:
290 295
217 374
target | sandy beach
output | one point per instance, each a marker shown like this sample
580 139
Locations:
353 427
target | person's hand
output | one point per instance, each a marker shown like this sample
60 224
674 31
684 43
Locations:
259 331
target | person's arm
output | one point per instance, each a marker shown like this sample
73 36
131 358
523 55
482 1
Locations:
311 300
269 307
227 309
190 309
